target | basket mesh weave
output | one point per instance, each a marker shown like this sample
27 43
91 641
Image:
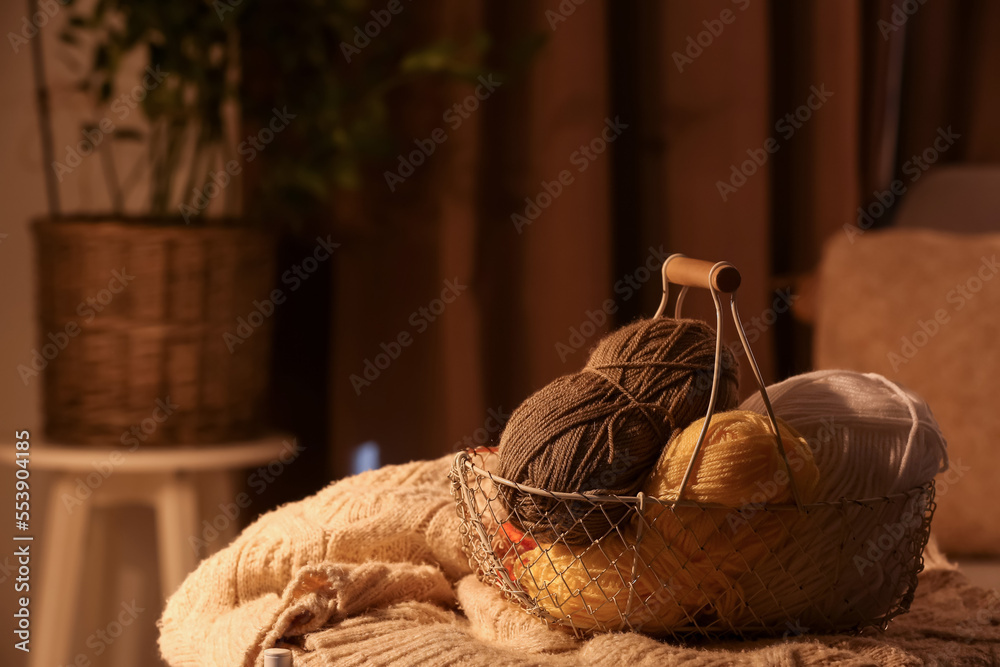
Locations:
684 569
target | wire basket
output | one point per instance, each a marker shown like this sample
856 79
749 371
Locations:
678 568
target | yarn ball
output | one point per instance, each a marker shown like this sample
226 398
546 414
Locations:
869 436
740 467
738 459
509 543
849 563
589 585
598 431
837 567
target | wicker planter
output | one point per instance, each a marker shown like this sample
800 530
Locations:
133 324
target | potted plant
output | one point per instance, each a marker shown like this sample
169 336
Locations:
138 311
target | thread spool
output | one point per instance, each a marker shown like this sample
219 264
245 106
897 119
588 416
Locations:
739 466
589 585
598 431
277 657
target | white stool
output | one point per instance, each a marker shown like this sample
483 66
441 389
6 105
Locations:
163 478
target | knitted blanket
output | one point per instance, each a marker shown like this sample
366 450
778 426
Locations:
370 571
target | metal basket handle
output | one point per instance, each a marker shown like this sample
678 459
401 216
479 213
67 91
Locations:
718 278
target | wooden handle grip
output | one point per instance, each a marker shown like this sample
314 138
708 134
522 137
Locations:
698 273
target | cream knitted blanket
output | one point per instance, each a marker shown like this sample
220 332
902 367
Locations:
370 571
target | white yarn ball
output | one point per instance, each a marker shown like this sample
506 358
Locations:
869 436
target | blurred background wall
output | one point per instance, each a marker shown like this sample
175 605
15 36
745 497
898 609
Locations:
751 131
744 130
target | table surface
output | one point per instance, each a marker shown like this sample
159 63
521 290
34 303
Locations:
158 458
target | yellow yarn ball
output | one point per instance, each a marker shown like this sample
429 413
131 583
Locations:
738 459
739 466
589 585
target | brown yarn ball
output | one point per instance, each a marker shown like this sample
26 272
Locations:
599 431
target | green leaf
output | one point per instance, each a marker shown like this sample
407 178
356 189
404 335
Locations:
290 57
434 58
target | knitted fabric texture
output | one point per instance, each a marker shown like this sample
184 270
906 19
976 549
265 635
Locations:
370 572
